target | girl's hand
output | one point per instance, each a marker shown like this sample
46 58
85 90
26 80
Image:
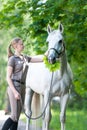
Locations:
17 95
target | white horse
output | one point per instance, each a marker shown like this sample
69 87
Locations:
39 78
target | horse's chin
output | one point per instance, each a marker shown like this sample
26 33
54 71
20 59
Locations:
51 61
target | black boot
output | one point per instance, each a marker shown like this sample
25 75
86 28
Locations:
14 126
7 124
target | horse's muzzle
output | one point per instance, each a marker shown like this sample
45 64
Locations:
51 60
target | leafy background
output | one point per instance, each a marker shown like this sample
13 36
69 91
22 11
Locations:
28 19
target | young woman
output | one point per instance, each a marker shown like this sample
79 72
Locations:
16 88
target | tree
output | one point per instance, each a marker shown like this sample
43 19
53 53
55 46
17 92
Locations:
30 19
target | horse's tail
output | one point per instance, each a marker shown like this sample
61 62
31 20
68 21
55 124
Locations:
36 108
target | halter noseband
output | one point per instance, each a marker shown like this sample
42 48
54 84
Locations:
58 54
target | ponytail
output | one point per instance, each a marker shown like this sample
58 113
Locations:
12 44
10 53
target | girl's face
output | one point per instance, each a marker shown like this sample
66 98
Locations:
19 46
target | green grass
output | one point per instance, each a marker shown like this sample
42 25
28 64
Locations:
75 119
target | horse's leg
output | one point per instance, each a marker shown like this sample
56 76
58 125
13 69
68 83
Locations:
47 115
28 100
63 103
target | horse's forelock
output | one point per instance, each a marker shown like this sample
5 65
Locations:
54 36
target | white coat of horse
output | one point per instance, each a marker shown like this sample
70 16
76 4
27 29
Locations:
39 78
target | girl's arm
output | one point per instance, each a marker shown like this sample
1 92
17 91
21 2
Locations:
37 58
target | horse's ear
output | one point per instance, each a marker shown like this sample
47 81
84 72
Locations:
61 28
49 29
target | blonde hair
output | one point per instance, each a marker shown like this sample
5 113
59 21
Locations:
12 44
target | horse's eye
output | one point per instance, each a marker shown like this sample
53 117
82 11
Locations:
60 41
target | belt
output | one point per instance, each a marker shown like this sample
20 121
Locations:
18 81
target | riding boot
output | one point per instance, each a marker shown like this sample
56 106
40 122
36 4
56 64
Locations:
14 126
7 124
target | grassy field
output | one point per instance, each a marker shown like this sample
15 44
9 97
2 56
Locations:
75 119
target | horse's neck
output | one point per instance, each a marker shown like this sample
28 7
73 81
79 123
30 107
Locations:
63 61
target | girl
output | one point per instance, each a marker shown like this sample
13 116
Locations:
16 88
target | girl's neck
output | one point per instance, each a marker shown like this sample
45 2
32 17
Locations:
17 53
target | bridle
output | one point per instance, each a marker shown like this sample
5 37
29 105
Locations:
58 53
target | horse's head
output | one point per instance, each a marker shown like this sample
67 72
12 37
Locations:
56 45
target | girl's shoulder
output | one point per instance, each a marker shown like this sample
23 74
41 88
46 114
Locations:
11 61
11 57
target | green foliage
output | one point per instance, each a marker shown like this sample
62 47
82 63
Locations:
4 37
51 67
80 74
29 18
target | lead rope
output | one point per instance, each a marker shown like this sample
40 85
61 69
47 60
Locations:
35 118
